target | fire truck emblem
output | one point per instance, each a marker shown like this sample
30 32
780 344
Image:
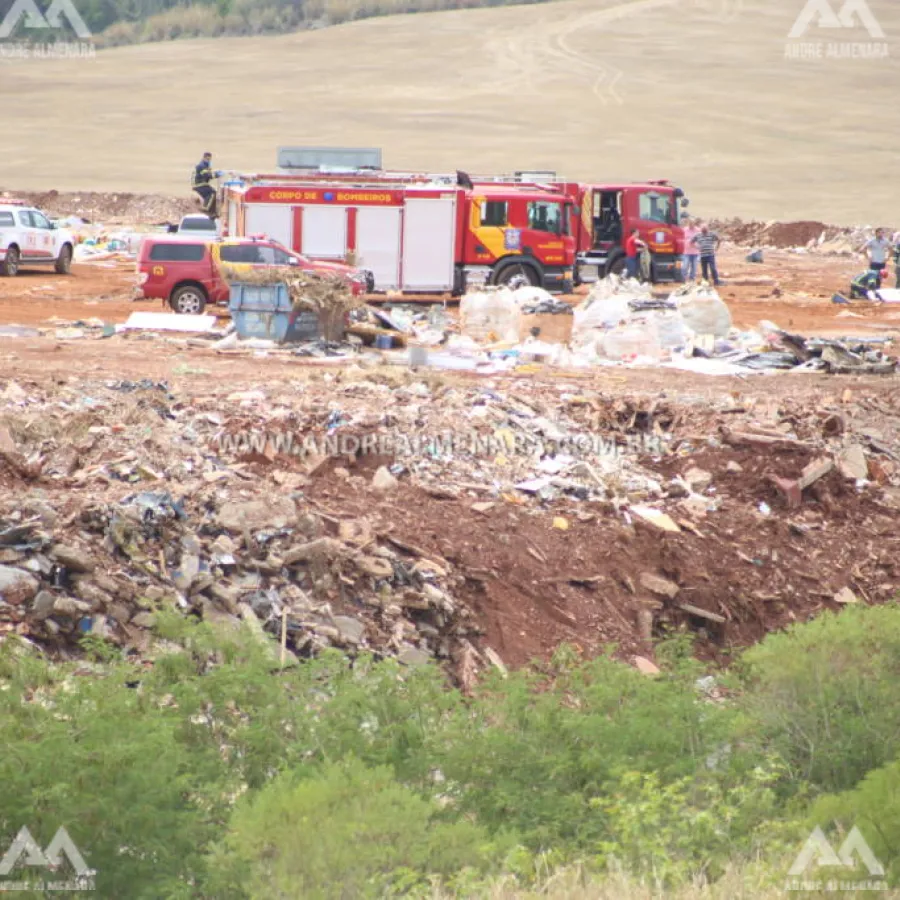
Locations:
512 239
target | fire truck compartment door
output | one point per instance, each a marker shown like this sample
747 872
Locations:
378 244
324 232
429 244
272 220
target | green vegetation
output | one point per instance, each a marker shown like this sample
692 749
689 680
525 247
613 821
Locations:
216 775
117 22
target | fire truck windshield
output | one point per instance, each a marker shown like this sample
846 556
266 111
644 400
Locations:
657 207
547 216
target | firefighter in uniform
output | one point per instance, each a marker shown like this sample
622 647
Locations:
201 184
862 284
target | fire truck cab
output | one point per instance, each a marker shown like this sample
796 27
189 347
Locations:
608 213
517 238
605 214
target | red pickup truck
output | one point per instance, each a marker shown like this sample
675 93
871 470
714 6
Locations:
184 271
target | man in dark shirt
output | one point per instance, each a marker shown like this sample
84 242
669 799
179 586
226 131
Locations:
201 184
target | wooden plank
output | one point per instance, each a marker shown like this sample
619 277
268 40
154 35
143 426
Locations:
701 613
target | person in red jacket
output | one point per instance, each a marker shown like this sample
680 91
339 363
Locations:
633 247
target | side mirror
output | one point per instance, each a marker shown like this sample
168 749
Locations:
53 226
293 261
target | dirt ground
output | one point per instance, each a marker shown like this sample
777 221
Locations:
795 293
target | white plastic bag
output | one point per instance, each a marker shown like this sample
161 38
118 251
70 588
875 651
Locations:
704 312
490 316
531 296
637 339
671 330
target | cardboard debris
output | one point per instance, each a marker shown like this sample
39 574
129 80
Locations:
655 517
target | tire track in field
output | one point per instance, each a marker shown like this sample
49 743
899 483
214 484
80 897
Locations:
546 48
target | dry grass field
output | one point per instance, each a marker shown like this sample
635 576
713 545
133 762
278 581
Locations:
698 91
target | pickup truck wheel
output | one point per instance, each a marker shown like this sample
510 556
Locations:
10 266
64 261
188 300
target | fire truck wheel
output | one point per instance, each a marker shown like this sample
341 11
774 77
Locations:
10 266
517 275
189 300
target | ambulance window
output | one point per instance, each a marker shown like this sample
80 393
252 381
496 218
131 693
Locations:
38 220
495 213
7 220
544 216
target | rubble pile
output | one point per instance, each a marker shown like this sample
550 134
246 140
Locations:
800 237
111 209
141 531
476 523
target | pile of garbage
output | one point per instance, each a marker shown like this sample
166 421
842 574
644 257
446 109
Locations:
169 524
622 323
356 508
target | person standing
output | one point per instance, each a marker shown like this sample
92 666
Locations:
877 249
201 184
691 252
633 247
895 240
645 264
707 243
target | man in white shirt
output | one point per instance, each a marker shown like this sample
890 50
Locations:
877 249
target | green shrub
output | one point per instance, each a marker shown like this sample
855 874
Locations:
823 696
348 832
874 808
530 753
87 752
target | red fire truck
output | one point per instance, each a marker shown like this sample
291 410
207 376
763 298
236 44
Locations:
605 216
415 233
